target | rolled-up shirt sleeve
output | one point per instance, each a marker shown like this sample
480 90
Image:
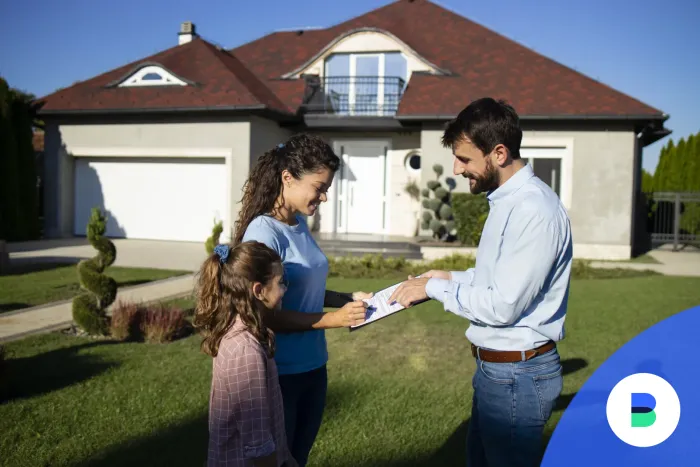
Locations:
464 277
246 378
528 251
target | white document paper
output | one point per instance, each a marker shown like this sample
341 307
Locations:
378 306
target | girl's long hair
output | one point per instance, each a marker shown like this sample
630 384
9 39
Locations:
224 292
301 154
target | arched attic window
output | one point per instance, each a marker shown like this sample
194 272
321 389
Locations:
152 76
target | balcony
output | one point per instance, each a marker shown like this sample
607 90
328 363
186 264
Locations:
353 96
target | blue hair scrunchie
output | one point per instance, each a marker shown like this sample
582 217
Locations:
280 146
222 252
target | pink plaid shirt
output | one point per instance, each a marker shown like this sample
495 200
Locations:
246 415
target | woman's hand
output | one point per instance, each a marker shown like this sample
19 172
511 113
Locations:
350 314
362 295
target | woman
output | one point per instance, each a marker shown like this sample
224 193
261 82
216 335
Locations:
285 184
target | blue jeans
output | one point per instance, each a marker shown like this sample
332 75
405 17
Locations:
304 397
511 404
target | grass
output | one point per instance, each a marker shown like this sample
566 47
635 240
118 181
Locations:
399 390
45 283
641 259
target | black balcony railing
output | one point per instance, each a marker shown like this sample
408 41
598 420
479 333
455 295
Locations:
353 95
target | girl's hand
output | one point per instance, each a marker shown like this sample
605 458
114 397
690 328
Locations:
362 295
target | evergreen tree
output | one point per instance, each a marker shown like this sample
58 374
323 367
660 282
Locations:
28 203
675 168
686 176
660 172
9 185
647 182
694 166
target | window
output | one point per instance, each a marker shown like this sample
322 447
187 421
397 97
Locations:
549 171
412 163
365 83
152 76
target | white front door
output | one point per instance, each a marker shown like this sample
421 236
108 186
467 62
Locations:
362 188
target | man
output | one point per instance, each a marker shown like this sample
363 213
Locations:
515 298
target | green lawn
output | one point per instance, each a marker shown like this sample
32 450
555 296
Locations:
399 391
40 284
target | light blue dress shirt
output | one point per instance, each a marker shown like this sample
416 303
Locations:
516 296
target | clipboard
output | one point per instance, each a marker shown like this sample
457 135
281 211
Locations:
378 308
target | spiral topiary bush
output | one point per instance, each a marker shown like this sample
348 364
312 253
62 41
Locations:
99 290
215 235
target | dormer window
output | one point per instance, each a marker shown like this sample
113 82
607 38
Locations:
365 83
152 76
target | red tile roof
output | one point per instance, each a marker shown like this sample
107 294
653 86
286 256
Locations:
220 81
480 61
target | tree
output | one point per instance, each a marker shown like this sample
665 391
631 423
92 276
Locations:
647 182
19 203
9 183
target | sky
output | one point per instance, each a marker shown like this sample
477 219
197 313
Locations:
644 48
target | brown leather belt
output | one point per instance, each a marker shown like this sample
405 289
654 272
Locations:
510 356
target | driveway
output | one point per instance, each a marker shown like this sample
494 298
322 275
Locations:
185 256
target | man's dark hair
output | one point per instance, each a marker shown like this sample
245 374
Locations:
487 123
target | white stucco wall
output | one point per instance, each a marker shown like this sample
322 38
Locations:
600 171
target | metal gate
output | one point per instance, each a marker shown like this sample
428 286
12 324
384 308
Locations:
674 217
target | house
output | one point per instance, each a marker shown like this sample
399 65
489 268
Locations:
165 143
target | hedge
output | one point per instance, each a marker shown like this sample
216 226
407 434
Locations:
470 212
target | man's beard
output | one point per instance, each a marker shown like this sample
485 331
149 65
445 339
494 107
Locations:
489 181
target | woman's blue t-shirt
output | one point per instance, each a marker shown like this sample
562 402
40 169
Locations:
306 270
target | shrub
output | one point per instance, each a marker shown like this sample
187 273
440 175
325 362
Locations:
374 266
215 235
470 212
99 290
126 321
437 216
161 323
4 377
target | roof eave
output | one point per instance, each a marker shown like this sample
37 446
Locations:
638 118
251 109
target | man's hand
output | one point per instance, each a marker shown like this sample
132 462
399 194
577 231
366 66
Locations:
411 291
435 274
362 295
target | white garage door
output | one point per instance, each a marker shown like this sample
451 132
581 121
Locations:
161 199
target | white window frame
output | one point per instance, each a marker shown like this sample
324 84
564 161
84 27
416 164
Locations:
352 58
566 155
167 78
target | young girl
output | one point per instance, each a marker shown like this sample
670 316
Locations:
236 288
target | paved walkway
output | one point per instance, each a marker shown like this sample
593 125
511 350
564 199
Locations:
180 256
53 316
679 263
